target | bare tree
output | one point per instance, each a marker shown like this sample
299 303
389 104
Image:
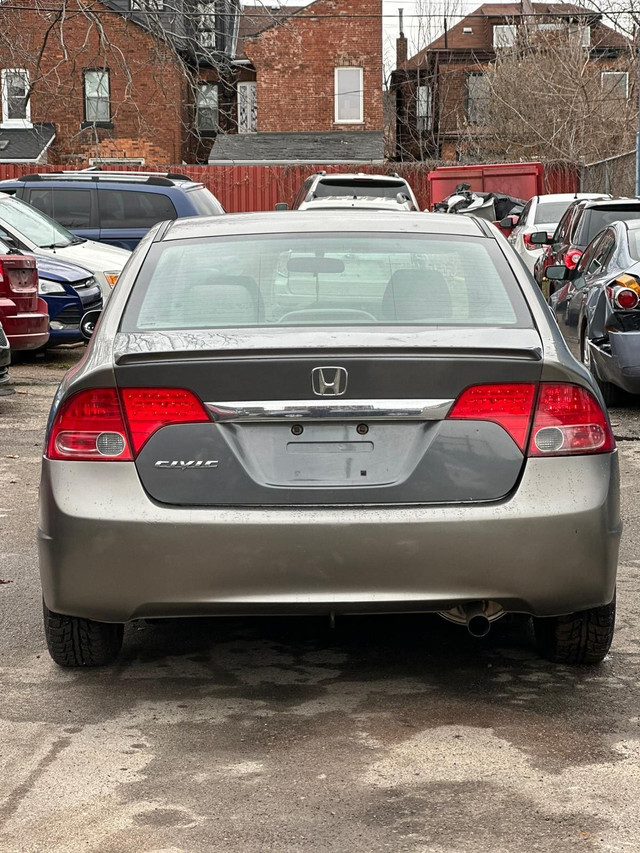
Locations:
547 97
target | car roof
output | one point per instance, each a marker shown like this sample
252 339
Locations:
310 221
610 203
82 177
552 197
359 176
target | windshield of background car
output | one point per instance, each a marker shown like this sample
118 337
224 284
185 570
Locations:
35 226
550 211
325 280
349 187
597 218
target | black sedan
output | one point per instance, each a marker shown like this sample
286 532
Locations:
598 310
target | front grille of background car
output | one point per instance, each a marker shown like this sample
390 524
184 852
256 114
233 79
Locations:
69 316
86 282
72 315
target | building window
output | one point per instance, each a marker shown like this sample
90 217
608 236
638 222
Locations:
247 107
207 107
348 96
207 25
615 84
504 35
478 91
423 107
15 96
146 5
97 107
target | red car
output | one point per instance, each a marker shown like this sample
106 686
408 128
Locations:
23 314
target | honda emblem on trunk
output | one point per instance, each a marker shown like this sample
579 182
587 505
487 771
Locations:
329 381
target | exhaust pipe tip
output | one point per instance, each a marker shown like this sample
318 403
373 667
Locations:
478 625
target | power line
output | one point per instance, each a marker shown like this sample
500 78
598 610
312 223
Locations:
581 14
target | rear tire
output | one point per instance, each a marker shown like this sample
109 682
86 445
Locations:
81 642
578 638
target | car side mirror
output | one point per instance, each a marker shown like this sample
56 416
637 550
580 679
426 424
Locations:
88 323
509 221
540 238
558 272
281 205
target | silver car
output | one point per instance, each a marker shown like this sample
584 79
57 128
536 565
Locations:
299 414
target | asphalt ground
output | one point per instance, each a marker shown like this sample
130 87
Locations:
384 734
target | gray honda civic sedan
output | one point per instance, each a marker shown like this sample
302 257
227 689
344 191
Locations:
284 413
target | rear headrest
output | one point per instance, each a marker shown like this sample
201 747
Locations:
417 294
227 300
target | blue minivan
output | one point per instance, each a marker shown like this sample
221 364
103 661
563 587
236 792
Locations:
113 207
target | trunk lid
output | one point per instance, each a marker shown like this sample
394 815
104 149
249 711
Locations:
298 419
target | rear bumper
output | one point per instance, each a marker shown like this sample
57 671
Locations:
108 553
25 330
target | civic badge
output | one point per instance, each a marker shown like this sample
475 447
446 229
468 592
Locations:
329 381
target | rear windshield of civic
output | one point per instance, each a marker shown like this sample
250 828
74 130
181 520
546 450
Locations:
349 187
597 218
325 280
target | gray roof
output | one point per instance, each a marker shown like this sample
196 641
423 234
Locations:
325 148
25 144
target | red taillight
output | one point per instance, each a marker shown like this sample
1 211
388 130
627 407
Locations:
89 426
569 419
572 258
94 425
528 244
508 405
149 409
625 298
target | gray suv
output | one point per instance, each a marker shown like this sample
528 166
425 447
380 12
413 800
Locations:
301 414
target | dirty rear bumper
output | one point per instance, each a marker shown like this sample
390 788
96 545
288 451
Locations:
108 552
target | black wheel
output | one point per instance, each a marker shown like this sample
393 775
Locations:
582 637
611 394
81 642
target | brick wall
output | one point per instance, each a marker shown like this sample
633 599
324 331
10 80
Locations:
295 64
148 89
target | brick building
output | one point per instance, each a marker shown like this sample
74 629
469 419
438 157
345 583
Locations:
91 85
439 92
140 82
309 84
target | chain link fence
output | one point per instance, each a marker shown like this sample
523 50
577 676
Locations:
615 175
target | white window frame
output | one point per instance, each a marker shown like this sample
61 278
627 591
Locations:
504 35
202 86
336 95
245 87
14 122
424 106
107 75
611 93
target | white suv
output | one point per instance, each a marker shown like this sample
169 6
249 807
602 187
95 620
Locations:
542 213
372 192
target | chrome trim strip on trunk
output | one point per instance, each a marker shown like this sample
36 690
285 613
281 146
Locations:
285 410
